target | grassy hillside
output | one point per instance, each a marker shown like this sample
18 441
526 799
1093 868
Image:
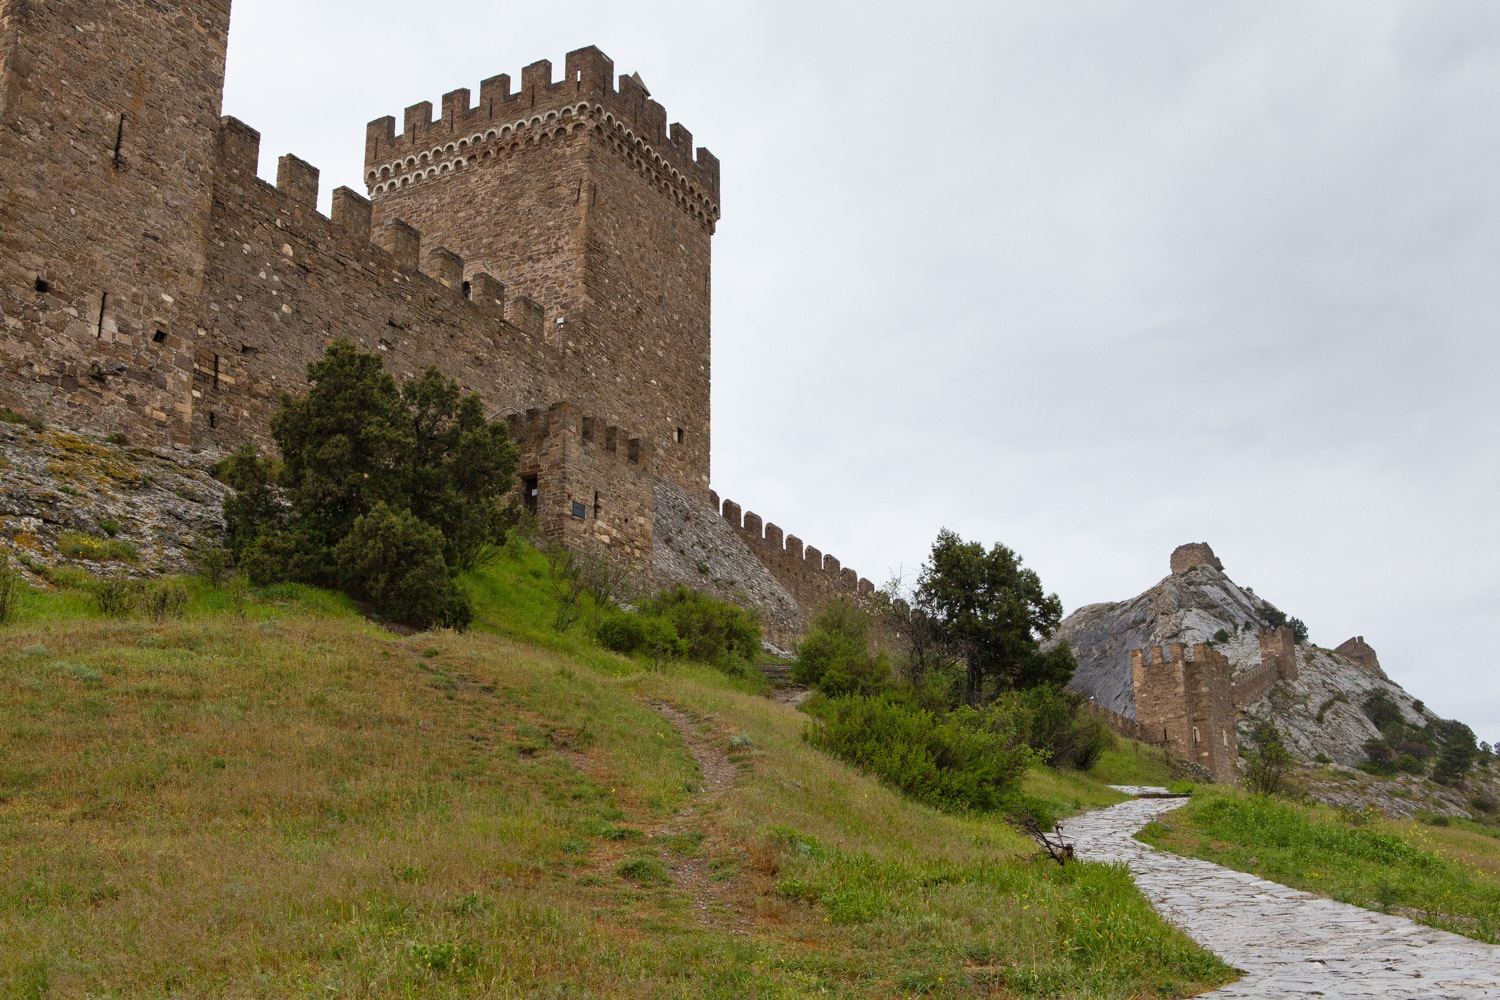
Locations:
276 798
1444 876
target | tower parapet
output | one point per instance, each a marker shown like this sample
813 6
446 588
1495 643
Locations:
464 131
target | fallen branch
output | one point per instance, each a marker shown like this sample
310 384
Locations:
1052 843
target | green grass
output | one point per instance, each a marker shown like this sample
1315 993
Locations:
1132 763
281 799
1395 868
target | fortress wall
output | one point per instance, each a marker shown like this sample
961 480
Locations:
1186 704
284 281
1125 726
1253 685
1278 662
807 574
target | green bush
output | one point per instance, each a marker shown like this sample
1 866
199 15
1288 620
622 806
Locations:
394 560
164 599
712 631
967 760
116 596
622 632
1058 725
1268 761
836 657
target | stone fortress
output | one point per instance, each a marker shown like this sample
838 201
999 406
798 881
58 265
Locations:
547 245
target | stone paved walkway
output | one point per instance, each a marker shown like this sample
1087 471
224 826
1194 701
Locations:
1289 943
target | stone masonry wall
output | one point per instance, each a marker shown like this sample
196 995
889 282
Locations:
1185 557
152 284
594 482
1187 700
285 281
108 112
1278 662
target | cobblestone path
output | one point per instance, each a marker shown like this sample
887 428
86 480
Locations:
1289 943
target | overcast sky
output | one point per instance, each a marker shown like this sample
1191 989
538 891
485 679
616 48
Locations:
1091 279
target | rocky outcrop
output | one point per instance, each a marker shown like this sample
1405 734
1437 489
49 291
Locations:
106 507
1316 705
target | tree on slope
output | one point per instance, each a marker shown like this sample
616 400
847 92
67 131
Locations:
416 474
993 614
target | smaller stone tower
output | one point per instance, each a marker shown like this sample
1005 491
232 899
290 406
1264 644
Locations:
1187 703
1185 557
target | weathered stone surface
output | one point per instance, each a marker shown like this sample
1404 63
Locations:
696 546
1185 557
1288 943
53 483
543 247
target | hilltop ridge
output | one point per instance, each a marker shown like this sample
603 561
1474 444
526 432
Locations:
1318 711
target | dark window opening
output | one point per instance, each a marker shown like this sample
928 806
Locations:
247 349
213 419
216 371
43 286
580 511
529 493
159 337
681 434
103 305
119 143
468 290
596 505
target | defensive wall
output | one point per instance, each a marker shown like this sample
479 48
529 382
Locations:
808 574
1278 662
1187 700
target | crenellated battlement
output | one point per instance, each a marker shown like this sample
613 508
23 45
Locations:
297 182
782 553
532 430
465 134
567 256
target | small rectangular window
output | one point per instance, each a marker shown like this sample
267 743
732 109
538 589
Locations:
580 511
43 286
529 493
213 419
681 435
159 337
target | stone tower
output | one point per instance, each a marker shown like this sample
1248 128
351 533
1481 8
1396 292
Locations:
109 111
1188 704
575 194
